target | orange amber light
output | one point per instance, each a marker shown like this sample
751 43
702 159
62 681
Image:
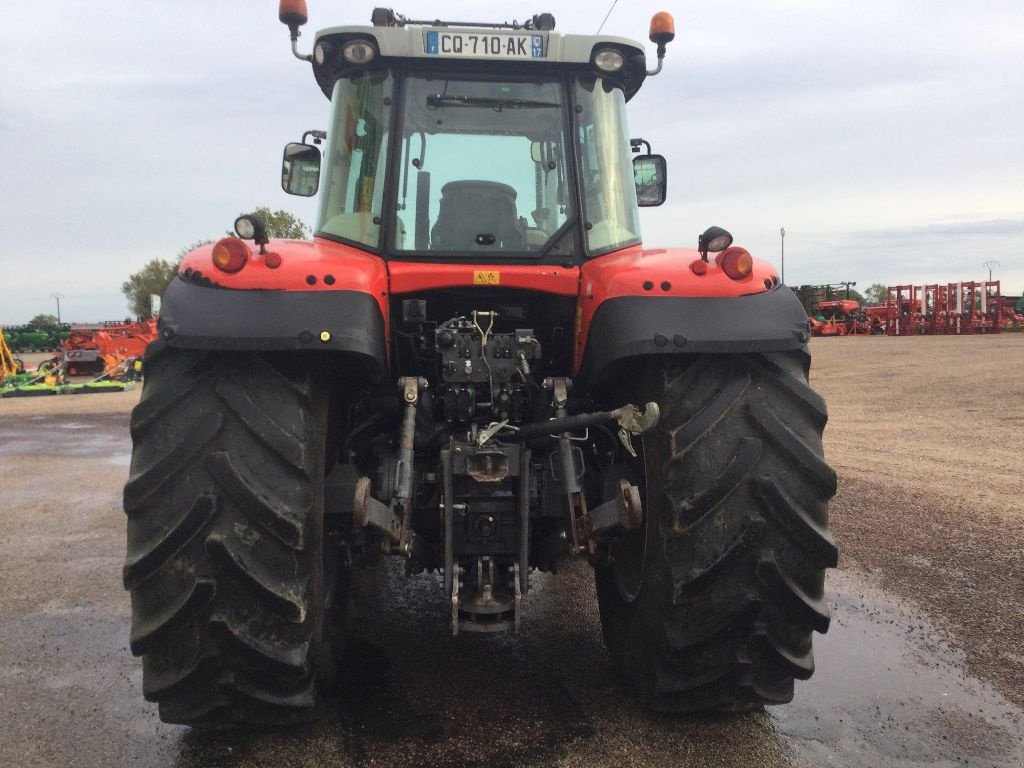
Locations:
230 254
736 262
663 28
293 12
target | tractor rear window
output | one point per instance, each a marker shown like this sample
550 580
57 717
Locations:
352 200
483 167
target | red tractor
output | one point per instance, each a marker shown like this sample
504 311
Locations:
476 366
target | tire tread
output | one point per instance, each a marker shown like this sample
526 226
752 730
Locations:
738 534
224 556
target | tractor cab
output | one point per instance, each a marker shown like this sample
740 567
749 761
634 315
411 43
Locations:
452 141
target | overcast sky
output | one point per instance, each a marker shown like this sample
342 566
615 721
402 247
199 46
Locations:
887 137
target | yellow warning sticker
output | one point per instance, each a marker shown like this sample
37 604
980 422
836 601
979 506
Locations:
486 277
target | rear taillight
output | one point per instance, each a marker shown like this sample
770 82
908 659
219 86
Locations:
736 262
230 254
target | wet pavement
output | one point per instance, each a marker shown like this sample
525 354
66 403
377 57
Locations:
891 687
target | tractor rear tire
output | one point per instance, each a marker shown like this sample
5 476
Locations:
226 546
709 606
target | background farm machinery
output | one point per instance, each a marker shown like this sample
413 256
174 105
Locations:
110 355
10 365
960 308
832 310
15 378
839 317
93 351
36 338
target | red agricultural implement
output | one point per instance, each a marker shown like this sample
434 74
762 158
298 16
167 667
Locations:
842 317
832 310
1009 313
945 309
877 316
939 308
93 351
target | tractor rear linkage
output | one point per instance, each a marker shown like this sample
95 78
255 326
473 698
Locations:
489 608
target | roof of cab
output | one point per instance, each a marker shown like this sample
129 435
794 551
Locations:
420 42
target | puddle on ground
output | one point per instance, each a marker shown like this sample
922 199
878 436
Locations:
889 689
120 459
56 436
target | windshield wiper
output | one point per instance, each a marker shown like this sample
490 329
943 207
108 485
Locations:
447 100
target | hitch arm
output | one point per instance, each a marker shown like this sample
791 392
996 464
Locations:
629 417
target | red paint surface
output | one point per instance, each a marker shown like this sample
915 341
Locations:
350 268
410 277
841 305
667 272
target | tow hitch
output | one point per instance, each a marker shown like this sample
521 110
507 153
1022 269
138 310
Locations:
488 485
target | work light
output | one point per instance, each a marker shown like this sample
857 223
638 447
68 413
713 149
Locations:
608 60
358 52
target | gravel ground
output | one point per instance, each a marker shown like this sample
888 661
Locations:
922 665
927 435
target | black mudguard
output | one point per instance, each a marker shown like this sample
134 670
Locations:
200 317
635 326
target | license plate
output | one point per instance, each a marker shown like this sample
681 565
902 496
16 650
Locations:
483 46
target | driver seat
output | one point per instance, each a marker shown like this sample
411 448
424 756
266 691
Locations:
478 216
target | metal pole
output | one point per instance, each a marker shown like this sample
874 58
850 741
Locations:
989 264
782 234
58 297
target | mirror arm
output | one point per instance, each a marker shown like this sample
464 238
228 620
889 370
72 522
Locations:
634 145
650 72
295 45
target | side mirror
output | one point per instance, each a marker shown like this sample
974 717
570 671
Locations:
649 175
300 171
